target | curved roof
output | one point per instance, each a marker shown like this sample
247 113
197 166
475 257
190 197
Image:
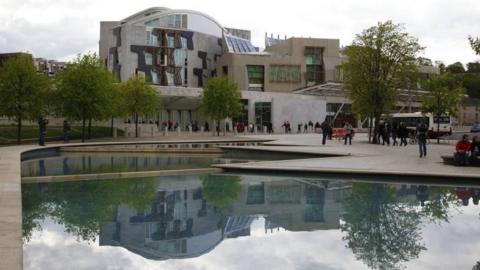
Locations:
153 12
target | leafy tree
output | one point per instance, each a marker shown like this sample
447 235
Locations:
220 99
380 231
23 92
139 98
471 82
475 44
376 64
85 90
441 66
444 95
456 67
441 200
473 67
423 61
220 190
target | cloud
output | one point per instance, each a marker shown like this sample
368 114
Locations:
61 29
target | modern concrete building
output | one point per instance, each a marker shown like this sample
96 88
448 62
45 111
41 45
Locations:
179 50
292 79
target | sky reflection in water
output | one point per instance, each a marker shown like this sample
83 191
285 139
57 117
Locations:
248 222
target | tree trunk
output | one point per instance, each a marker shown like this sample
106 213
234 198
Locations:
370 129
89 128
438 129
111 127
19 130
375 130
83 126
136 125
217 126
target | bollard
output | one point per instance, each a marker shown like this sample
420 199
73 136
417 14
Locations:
114 133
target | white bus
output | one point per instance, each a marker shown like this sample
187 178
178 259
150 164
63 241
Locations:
411 120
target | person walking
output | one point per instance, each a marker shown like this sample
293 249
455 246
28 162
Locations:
422 130
42 126
348 132
387 133
66 131
381 131
325 131
403 134
394 134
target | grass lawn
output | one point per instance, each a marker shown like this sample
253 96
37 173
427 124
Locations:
8 133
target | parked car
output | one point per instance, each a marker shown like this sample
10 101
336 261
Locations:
475 128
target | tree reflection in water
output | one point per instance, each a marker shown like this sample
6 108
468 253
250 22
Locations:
82 207
220 190
385 232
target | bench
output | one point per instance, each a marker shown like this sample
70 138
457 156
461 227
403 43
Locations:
448 159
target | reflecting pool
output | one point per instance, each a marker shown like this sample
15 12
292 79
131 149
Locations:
219 221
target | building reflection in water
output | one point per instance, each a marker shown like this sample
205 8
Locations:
180 223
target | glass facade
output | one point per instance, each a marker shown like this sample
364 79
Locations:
314 65
263 113
256 78
285 73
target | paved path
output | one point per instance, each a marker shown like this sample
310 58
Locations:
362 158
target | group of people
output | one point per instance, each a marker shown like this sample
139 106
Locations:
393 131
42 128
466 151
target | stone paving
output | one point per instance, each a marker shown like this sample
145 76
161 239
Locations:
361 157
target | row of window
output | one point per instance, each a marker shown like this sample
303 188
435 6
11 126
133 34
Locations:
170 21
283 74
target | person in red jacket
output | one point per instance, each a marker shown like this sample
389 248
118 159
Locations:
461 151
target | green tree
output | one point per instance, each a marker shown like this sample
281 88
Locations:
456 67
471 83
381 232
23 92
376 64
220 190
444 95
473 67
220 99
139 98
475 44
85 90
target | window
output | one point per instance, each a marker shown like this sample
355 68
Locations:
263 113
314 65
255 77
148 59
285 73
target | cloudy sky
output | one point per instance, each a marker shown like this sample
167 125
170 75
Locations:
60 29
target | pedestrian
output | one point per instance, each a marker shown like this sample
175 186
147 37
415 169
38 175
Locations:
207 127
461 151
403 134
305 128
381 131
387 134
475 149
348 132
394 133
66 131
325 131
42 125
299 128
422 130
